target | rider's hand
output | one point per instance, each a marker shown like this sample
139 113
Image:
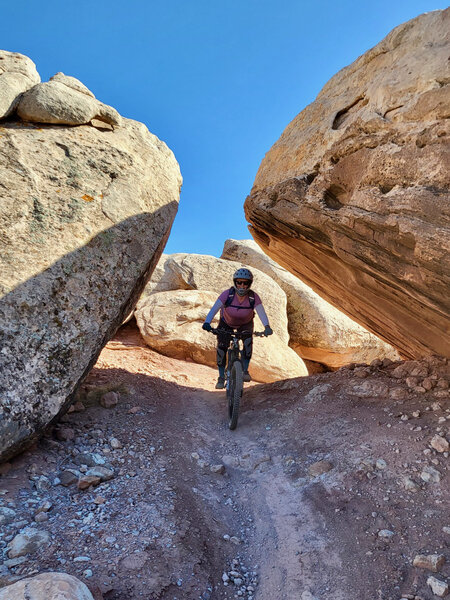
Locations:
207 326
267 330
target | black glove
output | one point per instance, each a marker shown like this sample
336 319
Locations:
267 330
207 326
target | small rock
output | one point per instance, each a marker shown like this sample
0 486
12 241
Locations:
385 533
430 474
381 464
225 578
103 473
41 517
432 562
115 443
439 443
109 400
85 481
42 484
319 468
219 469
99 500
410 485
195 455
27 542
81 559
68 477
438 587
91 459
235 540
45 506
7 515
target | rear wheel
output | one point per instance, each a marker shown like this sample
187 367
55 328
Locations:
234 399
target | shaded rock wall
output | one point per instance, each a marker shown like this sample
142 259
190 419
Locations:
84 217
353 198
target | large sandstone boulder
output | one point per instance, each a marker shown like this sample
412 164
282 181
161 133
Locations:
317 331
204 272
17 75
171 323
64 101
84 217
47 586
353 197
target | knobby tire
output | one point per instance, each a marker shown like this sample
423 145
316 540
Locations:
236 386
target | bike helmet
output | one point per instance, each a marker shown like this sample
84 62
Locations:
242 274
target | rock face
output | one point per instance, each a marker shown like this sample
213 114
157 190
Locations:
84 217
17 75
66 101
47 586
317 331
170 323
203 272
352 198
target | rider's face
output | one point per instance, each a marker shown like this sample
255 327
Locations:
242 283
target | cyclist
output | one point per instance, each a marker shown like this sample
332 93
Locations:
237 307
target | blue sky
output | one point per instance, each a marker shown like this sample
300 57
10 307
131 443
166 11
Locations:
217 81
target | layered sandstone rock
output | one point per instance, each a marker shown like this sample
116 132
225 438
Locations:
352 198
84 217
203 272
317 331
17 75
170 323
47 586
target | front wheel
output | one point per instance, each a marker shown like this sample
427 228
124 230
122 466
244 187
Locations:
234 399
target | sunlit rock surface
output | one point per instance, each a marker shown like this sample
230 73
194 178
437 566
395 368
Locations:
170 323
353 198
317 330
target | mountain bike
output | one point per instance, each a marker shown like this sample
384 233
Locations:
234 372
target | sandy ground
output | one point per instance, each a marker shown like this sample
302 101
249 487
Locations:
327 489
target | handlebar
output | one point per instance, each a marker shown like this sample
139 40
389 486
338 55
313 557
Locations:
235 334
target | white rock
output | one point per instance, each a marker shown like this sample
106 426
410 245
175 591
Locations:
47 586
28 542
438 587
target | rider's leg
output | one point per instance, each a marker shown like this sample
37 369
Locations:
223 341
247 349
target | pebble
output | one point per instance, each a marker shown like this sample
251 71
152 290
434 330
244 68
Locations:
438 587
81 559
385 533
430 474
115 443
85 481
109 400
439 443
7 515
27 542
319 468
219 469
432 562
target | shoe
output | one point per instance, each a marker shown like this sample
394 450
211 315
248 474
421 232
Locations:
246 376
220 383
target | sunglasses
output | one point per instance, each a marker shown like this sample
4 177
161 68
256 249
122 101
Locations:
243 282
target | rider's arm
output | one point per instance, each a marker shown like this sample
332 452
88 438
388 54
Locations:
261 314
214 310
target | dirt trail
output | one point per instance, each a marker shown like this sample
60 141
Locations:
308 496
